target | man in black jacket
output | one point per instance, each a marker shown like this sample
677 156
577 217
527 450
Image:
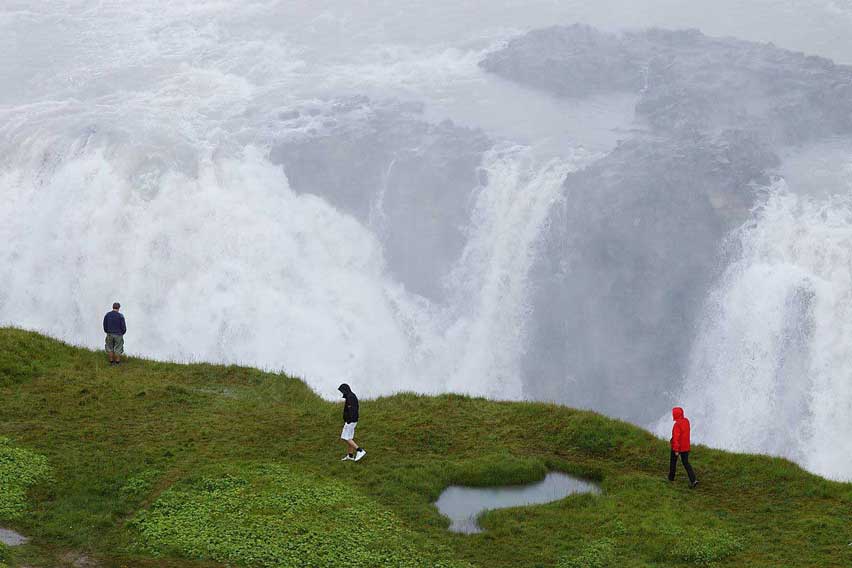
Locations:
115 328
350 420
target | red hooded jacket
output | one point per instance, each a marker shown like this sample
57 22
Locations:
680 431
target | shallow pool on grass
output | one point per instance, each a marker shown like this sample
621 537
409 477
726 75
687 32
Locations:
463 505
11 538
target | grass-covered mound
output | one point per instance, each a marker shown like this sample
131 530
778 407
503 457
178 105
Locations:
158 464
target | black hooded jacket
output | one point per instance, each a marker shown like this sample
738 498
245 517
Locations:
350 407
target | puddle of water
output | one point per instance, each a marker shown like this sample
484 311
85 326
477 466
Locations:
462 505
11 538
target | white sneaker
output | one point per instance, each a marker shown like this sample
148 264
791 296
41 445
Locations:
360 454
347 457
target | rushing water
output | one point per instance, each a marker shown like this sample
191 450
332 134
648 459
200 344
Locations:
137 144
463 505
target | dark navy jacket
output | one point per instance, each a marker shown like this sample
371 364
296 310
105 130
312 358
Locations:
114 323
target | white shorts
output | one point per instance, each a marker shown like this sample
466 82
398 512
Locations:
348 431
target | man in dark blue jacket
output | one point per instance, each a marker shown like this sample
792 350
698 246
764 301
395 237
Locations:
115 328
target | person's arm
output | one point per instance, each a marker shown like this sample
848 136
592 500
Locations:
676 438
105 327
123 326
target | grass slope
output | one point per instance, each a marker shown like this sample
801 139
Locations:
159 464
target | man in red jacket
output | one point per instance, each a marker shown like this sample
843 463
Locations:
680 446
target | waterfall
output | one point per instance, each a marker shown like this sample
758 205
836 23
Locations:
770 371
492 277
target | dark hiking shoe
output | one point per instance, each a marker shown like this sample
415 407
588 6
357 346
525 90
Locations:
694 484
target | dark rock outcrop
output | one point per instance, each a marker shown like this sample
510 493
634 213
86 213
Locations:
626 264
688 80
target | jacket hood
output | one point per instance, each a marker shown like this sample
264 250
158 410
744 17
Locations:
677 413
344 389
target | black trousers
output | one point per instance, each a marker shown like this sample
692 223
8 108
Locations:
684 457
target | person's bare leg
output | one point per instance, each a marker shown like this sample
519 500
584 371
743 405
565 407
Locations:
352 446
111 356
118 358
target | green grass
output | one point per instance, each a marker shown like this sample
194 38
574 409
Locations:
19 469
596 554
274 515
159 464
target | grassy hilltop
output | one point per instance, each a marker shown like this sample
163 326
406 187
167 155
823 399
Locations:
160 464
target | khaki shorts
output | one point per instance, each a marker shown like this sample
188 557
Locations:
115 344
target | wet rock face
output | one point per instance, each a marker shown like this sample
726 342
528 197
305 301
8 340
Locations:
688 80
628 260
576 61
409 180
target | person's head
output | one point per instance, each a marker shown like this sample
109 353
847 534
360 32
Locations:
677 412
344 389
116 306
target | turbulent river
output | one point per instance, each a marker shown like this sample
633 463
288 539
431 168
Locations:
341 191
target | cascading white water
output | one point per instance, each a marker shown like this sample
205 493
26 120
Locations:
770 370
493 272
231 265
292 280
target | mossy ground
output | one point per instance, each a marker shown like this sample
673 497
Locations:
159 464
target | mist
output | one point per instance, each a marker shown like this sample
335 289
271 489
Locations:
613 205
